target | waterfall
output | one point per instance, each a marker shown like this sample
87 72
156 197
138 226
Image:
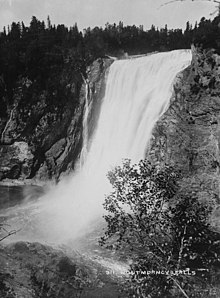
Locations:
84 150
137 93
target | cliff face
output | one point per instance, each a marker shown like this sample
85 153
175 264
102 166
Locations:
97 76
42 137
41 131
188 135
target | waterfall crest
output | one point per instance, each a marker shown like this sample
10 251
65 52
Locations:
137 93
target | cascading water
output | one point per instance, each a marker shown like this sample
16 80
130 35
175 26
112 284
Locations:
137 94
84 150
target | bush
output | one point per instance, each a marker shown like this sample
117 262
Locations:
167 236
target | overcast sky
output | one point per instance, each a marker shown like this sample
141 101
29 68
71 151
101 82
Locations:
98 12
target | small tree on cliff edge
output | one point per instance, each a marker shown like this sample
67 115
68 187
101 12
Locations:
213 1
158 235
4 232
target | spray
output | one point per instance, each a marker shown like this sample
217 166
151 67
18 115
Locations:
137 94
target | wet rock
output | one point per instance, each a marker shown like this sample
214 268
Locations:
188 135
97 75
15 161
66 267
33 270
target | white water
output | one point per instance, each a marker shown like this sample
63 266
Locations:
137 94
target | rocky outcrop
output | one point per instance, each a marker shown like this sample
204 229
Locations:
188 135
41 130
40 119
15 160
33 270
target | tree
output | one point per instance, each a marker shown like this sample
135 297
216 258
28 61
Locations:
48 23
4 233
15 32
162 233
214 1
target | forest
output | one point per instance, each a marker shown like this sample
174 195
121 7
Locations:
38 52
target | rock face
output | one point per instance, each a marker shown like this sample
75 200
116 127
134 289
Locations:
188 135
97 76
33 270
41 132
15 160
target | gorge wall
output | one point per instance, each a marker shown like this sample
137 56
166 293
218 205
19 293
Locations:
41 133
188 134
41 140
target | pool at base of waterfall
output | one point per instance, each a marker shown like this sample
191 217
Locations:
77 269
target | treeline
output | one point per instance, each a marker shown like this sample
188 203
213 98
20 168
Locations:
40 50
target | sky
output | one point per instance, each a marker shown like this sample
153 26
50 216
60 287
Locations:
91 13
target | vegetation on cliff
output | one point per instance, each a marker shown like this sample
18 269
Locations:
173 250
